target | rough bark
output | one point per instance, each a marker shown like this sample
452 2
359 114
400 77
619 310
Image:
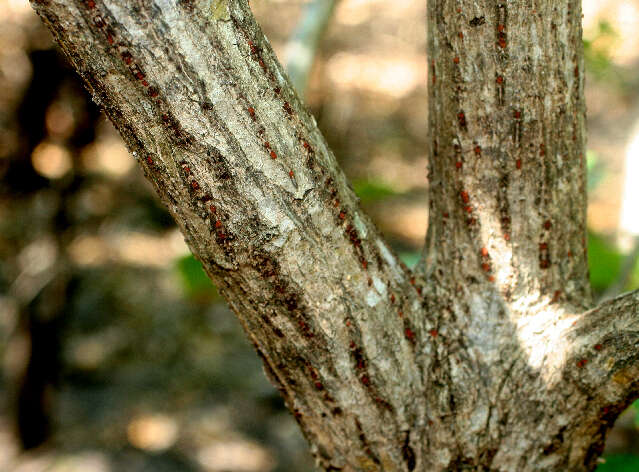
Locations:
484 358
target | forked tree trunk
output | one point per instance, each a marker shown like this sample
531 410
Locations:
484 358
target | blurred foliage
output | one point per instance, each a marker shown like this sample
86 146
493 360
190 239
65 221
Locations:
620 463
598 50
410 258
370 191
195 283
597 170
604 261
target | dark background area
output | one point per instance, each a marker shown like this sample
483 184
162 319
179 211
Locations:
117 352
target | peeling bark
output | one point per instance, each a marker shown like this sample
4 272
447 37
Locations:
479 360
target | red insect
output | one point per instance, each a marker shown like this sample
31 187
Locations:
582 362
273 155
484 252
409 334
126 56
251 111
461 118
464 196
433 332
456 60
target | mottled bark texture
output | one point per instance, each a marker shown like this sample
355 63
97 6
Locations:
485 358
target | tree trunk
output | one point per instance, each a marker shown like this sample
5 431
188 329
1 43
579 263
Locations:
484 358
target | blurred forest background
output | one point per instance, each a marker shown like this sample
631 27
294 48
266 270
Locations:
117 352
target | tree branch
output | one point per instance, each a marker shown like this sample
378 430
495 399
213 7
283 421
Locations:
604 357
506 158
302 46
206 109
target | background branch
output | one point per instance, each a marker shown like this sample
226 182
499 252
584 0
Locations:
304 42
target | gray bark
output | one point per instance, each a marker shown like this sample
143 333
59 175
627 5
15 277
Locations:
484 358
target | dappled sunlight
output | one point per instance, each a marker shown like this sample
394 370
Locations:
542 337
109 156
395 77
152 432
629 223
51 160
143 329
129 248
235 454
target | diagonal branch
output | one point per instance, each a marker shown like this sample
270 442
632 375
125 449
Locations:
600 372
604 357
207 111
